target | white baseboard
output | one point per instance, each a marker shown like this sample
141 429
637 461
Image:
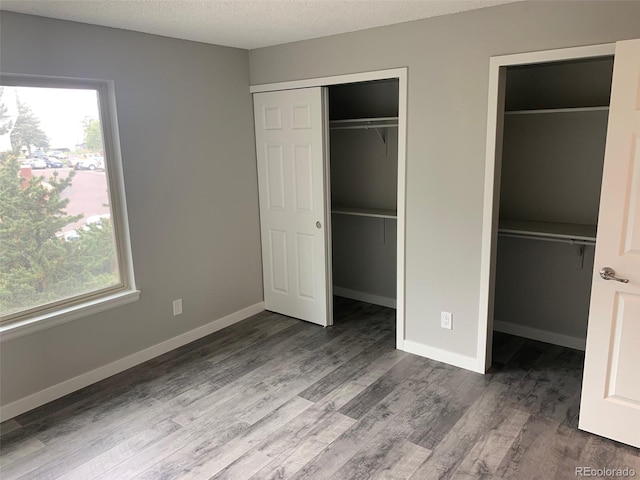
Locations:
439 355
54 392
540 335
364 297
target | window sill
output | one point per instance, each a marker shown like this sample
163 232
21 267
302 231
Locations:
64 315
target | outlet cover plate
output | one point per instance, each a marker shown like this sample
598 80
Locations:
446 320
177 307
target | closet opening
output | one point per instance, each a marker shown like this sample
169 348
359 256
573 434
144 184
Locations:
363 166
550 146
331 157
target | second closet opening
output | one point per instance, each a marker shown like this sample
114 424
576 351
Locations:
555 126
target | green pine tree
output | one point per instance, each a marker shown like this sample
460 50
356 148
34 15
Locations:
27 131
37 266
4 127
34 266
94 259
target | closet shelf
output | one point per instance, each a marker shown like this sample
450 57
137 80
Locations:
364 123
557 110
558 232
365 212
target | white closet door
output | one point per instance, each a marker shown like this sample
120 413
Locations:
290 148
611 387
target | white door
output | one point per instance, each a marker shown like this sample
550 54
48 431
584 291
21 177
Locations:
290 148
611 386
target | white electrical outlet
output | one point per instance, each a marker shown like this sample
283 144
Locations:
446 320
177 307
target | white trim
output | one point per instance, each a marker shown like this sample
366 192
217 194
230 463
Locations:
540 335
401 209
326 165
489 232
444 356
402 75
333 80
549 111
559 54
111 138
364 297
49 394
68 314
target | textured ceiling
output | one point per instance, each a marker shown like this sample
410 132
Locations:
243 23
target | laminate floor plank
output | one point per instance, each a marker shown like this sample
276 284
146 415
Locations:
178 451
19 450
79 445
272 397
216 459
331 381
347 391
103 462
380 449
539 451
349 443
9 426
308 446
455 393
386 384
402 462
484 414
486 456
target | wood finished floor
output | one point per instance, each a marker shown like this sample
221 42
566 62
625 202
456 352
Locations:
274 398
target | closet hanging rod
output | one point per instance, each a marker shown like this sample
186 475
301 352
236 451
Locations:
547 238
557 110
364 123
362 127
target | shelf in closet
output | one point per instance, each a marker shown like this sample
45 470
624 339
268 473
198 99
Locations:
364 123
365 212
557 110
552 231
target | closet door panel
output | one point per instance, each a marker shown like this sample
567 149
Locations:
304 178
610 403
278 259
275 177
632 227
290 151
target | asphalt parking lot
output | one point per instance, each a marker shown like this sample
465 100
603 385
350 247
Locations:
88 194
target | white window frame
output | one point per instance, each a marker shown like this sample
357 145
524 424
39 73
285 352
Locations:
56 313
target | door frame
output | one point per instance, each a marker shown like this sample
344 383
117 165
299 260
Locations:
400 74
493 166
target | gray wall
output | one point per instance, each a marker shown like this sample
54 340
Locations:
552 167
448 60
186 128
364 174
543 285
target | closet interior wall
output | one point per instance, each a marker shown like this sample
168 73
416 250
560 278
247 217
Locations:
364 179
555 125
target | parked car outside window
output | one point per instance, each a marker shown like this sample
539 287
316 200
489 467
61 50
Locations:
39 163
53 162
91 161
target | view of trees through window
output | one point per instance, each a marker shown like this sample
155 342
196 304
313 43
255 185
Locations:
56 234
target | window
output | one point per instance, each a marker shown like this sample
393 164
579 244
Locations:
63 235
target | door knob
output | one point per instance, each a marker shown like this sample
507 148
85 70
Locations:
609 273
318 225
